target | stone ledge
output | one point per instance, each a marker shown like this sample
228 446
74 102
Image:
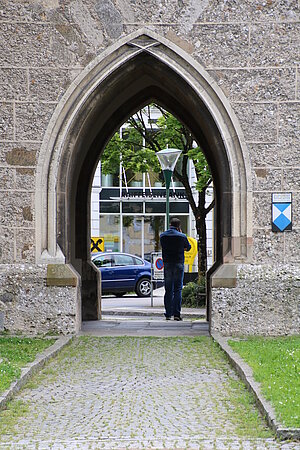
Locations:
224 277
32 368
246 374
61 275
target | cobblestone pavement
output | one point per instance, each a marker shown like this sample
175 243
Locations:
131 392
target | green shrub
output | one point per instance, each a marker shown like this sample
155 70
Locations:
193 294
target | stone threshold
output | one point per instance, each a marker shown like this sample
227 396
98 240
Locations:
32 368
140 328
246 374
149 313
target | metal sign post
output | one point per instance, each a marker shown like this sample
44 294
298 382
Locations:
157 270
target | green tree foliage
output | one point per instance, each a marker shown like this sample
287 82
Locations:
130 150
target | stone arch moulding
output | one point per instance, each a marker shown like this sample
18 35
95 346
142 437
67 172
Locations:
56 148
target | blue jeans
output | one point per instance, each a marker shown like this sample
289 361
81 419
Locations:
173 273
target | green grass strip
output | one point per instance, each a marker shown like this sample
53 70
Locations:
15 353
276 365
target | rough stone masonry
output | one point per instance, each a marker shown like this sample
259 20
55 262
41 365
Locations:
249 53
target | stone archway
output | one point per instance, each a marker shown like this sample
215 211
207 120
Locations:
141 68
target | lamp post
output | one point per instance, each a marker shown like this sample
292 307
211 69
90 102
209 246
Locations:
168 159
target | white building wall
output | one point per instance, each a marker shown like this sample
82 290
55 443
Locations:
95 211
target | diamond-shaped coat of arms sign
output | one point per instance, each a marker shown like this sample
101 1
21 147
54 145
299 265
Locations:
282 212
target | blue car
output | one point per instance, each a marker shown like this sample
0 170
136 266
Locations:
122 272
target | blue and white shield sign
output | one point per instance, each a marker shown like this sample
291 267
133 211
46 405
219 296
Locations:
282 212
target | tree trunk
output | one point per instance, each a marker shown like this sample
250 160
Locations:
201 231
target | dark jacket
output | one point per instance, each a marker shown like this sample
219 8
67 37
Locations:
173 244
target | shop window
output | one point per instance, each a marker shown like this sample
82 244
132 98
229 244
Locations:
109 207
109 229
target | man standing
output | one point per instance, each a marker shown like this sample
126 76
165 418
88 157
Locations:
173 244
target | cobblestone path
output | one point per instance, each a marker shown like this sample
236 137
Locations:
128 392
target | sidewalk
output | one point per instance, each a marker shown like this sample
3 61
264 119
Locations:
131 306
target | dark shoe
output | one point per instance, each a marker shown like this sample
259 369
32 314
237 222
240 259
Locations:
178 318
168 318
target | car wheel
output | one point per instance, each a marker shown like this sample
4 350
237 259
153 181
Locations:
143 287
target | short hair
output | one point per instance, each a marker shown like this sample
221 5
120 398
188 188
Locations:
175 222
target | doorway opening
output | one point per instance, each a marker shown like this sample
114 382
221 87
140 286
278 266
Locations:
128 207
140 69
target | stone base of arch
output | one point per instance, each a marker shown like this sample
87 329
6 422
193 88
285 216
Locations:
249 299
245 299
40 299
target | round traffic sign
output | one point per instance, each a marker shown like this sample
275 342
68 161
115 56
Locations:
159 264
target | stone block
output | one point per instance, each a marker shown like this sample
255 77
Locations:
296 209
110 18
49 84
6 121
251 11
258 121
162 12
26 11
220 45
41 45
224 277
292 246
256 84
264 302
34 307
25 178
25 245
18 154
32 120
7 178
267 179
273 155
268 247
13 84
291 179
274 44
60 275
25 44
262 209
182 43
7 242
16 209
69 48
288 128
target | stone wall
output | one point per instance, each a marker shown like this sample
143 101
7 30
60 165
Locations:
250 49
28 305
265 301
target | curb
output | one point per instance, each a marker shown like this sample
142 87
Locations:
134 313
246 374
32 368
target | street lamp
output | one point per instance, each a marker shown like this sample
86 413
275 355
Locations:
168 159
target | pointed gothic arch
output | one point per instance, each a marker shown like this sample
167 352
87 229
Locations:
140 68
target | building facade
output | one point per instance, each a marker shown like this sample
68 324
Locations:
71 72
129 213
